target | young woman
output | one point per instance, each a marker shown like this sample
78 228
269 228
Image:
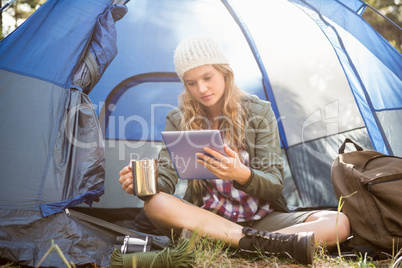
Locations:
245 207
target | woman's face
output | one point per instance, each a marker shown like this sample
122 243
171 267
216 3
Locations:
206 85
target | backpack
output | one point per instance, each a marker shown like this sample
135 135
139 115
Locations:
370 184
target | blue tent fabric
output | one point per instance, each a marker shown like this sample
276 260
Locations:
52 148
372 92
266 83
356 61
24 49
72 104
146 98
103 44
148 38
88 197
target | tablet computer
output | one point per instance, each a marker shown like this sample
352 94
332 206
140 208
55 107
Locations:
182 147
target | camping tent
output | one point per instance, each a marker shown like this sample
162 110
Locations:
327 72
318 62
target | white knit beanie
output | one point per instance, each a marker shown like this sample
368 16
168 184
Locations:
197 51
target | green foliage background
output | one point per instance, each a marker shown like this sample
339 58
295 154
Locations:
17 12
392 9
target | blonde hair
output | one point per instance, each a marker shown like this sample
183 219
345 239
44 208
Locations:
232 120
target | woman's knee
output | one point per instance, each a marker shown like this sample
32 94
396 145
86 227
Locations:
343 226
158 204
331 217
340 220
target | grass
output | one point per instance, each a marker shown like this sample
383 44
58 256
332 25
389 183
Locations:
210 253
216 254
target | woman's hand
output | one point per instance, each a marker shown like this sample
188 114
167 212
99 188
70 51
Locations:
227 167
126 179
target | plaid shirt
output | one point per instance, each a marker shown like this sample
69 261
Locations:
222 198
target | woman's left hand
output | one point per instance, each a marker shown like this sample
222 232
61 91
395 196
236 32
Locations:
228 167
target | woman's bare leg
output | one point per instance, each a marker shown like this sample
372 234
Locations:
166 212
323 224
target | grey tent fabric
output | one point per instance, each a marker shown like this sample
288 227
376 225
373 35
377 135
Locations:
26 236
57 174
63 155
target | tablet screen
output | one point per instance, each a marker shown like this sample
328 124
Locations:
182 147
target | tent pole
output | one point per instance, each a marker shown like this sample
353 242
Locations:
9 3
266 83
385 17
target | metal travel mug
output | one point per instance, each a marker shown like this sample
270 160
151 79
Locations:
145 177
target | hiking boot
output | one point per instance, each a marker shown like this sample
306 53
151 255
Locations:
299 247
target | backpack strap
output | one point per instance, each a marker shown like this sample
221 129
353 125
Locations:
342 148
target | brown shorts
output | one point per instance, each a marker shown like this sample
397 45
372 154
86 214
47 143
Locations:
277 220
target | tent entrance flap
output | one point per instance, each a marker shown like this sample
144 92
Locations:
88 198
